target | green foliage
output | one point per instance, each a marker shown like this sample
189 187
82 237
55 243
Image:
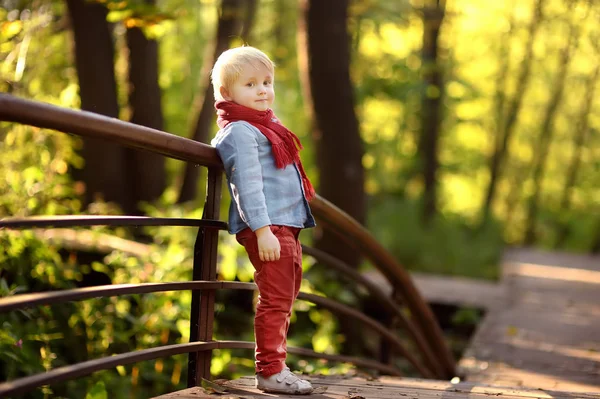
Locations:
49 337
466 316
35 163
98 391
449 245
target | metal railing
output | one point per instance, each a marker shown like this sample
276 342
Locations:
434 360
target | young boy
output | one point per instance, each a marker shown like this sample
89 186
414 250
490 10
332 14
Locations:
270 194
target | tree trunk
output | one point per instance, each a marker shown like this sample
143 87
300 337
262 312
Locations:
103 172
230 16
248 21
431 106
280 52
146 171
324 52
514 195
547 132
500 103
581 133
504 61
504 135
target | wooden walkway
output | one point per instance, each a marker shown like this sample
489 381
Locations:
382 388
540 338
546 332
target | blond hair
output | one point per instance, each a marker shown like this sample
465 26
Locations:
230 64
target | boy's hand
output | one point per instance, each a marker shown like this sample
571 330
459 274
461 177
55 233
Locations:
268 245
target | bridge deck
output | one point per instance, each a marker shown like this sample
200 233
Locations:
540 338
384 388
546 332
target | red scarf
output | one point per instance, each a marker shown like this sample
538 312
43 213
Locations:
284 143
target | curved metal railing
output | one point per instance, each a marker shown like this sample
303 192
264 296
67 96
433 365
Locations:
435 359
82 369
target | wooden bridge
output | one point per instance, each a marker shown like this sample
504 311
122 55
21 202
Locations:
540 337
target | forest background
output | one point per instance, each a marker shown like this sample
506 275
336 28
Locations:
449 128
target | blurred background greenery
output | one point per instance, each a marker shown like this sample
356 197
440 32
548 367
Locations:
451 129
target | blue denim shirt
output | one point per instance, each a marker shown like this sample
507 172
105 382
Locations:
261 193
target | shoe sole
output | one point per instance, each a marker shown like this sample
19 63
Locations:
267 390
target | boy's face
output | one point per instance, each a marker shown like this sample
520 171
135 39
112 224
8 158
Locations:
253 88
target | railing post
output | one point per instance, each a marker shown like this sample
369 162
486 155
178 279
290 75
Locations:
205 268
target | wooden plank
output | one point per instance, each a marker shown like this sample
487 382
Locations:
503 375
545 258
337 387
562 290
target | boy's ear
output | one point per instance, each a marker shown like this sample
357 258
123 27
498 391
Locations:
224 93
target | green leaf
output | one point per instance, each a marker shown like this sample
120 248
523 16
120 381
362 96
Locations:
98 391
116 16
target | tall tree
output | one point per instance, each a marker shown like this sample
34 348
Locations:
519 168
324 57
94 60
503 72
431 109
508 126
547 130
146 171
231 13
503 59
248 20
581 134
279 32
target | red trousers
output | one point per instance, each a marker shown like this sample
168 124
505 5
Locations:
278 286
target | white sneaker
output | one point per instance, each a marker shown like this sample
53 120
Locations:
284 382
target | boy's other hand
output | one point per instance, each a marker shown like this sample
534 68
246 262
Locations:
269 248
